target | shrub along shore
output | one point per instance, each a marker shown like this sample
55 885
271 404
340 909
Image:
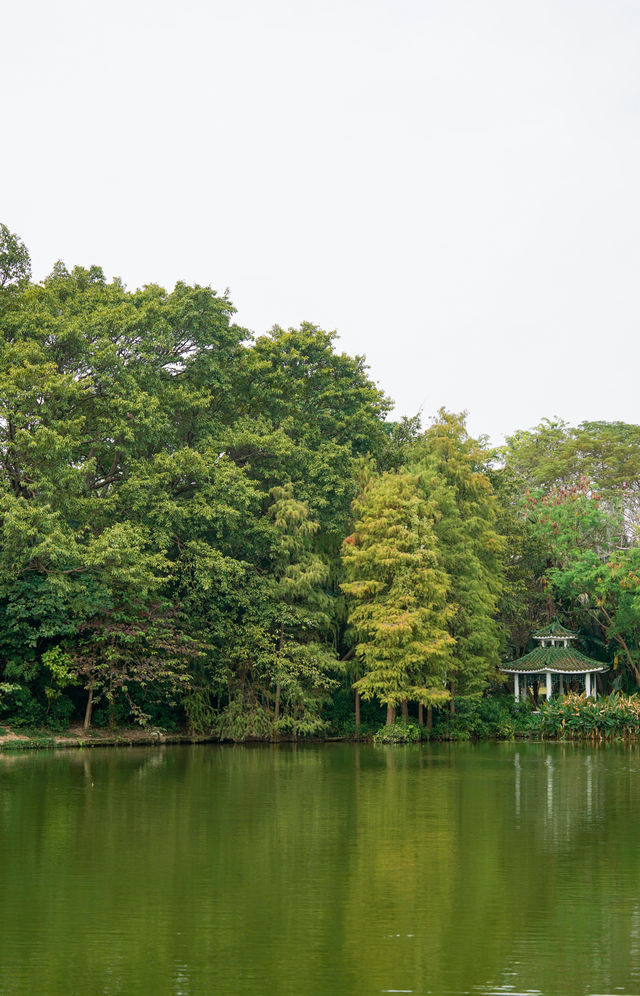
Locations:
573 717
570 717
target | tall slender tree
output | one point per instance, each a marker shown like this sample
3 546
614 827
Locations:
398 594
452 471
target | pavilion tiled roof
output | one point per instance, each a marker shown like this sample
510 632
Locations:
554 629
561 660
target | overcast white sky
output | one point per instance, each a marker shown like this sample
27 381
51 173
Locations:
453 185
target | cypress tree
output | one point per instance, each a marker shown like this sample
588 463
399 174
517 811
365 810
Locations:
452 475
398 595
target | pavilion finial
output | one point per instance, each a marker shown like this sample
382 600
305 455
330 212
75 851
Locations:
554 631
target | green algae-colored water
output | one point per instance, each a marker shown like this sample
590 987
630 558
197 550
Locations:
336 870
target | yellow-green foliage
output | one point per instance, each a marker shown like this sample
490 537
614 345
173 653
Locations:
397 591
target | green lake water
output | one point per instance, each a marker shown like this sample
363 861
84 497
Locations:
335 870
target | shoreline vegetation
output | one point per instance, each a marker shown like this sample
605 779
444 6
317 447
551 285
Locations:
207 530
571 718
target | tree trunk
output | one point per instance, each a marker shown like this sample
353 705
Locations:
87 714
276 715
452 704
391 715
112 718
634 670
357 705
429 718
405 711
420 715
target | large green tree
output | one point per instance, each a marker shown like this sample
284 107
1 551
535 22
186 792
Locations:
453 473
588 573
570 500
604 457
97 382
15 261
398 594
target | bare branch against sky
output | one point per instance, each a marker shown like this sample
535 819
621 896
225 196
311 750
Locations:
452 184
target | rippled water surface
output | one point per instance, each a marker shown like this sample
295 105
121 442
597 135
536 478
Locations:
332 870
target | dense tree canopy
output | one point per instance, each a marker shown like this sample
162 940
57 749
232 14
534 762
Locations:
205 528
570 499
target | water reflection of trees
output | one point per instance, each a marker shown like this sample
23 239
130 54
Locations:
322 869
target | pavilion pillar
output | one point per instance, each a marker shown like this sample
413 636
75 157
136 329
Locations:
516 687
587 684
548 674
525 690
560 685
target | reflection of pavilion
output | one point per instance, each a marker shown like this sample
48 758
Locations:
556 660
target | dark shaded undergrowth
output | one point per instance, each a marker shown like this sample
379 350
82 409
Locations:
573 717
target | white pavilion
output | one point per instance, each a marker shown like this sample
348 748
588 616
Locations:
555 659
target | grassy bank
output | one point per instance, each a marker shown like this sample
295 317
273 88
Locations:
43 739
